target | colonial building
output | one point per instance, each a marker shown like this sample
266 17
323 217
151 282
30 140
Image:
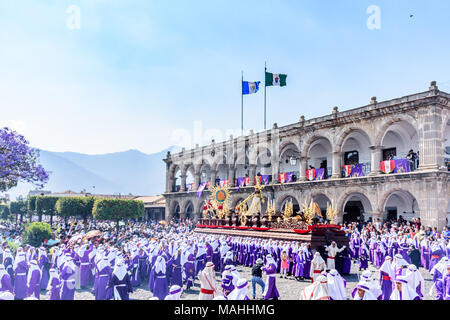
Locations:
341 158
154 207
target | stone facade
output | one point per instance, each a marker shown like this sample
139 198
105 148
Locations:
420 122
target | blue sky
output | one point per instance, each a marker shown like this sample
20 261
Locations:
137 73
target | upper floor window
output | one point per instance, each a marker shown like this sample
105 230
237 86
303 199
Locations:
351 157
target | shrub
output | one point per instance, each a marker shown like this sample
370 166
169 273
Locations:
36 232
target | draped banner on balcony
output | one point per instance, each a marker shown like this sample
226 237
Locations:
347 170
263 179
357 171
190 187
311 174
200 189
224 183
246 181
285 177
320 174
240 182
402 165
387 166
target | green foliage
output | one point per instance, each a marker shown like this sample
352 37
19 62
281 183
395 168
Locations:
117 209
36 232
45 205
32 203
13 247
18 207
4 212
75 206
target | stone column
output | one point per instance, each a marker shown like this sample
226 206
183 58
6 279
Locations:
168 182
213 178
196 180
231 175
431 155
252 174
183 182
302 168
376 156
336 169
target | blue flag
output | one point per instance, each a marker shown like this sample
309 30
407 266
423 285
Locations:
250 87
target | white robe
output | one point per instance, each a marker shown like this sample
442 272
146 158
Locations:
332 252
207 282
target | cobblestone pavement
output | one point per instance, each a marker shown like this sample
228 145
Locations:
289 289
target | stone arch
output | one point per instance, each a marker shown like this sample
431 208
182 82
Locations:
310 140
263 161
189 170
347 133
405 201
174 175
355 195
175 210
188 210
318 151
322 200
281 201
288 150
384 128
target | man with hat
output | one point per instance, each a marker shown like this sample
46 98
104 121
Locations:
207 282
257 276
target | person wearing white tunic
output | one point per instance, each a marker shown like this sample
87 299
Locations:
208 285
332 250
317 290
175 292
415 278
240 292
336 286
317 266
403 290
363 292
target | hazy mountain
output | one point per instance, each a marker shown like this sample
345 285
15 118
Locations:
122 172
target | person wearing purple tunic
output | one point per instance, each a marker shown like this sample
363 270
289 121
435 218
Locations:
8 263
200 259
435 256
415 279
161 284
216 255
346 262
438 272
209 252
177 273
102 278
20 276
425 254
386 276
363 257
189 271
299 263
355 244
446 284
34 280
403 291
135 274
67 277
44 265
54 285
5 280
271 291
119 284
307 262
379 253
404 252
85 265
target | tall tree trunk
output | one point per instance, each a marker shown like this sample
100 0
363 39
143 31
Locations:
51 220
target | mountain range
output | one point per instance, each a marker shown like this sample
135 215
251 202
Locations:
125 172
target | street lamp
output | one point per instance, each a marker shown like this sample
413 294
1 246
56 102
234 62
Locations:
293 160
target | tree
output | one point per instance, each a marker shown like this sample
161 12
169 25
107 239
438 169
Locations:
46 205
75 207
18 161
18 207
35 233
117 210
4 212
31 205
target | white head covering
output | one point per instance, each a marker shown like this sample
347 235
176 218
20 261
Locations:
160 265
317 259
6 295
240 291
103 263
19 258
336 286
33 267
387 267
2 272
53 273
408 293
414 277
368 295
120 270
441 266
175 292
316 291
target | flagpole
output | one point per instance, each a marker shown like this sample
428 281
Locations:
265 70
242 105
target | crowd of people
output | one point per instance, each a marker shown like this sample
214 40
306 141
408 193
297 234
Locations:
170 259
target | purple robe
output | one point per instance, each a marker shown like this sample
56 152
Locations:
386 285
436 256
135 274
425 254
68 283
446 287
161 285
85 267
101 283
5 283
363 259
55 289
177 274
44 266
189 270
20 280
307 264
34 288
122 287
272 291
299 265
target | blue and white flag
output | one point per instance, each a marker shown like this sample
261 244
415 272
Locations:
250 87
